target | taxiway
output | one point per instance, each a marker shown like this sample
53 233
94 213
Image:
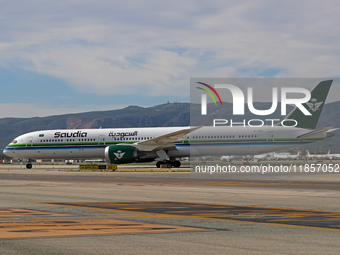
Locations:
54 210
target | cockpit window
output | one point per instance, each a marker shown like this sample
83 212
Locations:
14 141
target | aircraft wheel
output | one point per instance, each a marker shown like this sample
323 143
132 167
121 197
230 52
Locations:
176 163
29 166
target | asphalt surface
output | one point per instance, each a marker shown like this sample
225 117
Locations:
56 210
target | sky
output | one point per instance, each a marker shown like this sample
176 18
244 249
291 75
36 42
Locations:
59 57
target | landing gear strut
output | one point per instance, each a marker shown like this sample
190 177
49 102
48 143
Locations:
169 163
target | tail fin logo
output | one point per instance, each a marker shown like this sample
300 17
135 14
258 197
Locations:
314 105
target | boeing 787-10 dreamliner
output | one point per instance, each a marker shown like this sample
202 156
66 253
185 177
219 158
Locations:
169 144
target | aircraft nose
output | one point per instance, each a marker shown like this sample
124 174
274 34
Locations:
6 151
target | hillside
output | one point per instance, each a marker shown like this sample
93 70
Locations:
174 114
171 114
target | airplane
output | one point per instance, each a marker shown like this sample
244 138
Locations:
333 155
226 158
168 144
286 155
316 156
262 156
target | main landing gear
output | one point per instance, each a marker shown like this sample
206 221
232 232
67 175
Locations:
169 163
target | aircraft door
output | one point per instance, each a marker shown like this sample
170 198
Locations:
29 141
101 140
270 136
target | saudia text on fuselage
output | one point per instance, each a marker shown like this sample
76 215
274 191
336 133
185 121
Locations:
70 134
123 134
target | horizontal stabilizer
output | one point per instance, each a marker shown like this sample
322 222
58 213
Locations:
315 133
331 130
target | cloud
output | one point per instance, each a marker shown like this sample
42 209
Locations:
153 48
106 71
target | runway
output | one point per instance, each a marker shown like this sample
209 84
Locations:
54 210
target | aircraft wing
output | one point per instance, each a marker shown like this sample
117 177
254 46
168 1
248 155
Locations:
164 141
317 133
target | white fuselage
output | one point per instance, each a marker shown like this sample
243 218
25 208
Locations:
205 141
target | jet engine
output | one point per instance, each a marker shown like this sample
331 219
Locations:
124 154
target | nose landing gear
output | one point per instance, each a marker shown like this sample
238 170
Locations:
29 164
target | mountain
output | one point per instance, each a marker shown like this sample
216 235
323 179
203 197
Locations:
172 114
165 115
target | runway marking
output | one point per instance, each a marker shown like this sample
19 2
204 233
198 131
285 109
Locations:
175 183
62 228
318 219
12 212
332 176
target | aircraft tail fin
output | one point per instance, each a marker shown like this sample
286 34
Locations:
314 106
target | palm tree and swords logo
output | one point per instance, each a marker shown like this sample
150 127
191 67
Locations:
119 154
314 105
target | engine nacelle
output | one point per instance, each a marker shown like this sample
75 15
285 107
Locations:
121 154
